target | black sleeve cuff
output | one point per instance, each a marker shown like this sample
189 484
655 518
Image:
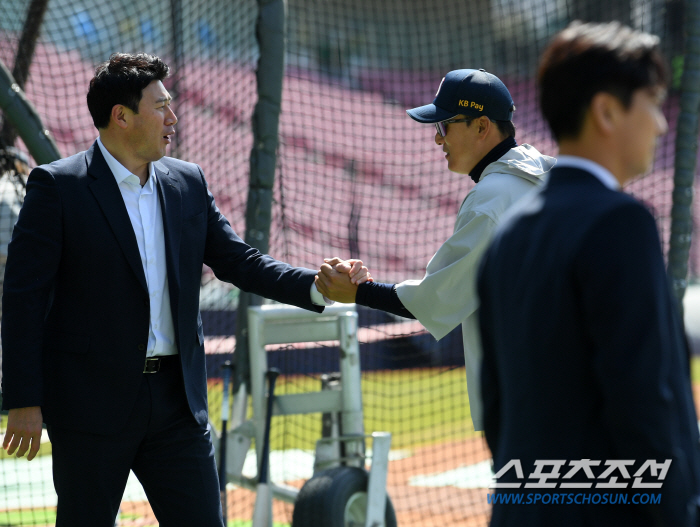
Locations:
381 296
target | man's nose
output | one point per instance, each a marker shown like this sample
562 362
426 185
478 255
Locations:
439 140
171 118
662 124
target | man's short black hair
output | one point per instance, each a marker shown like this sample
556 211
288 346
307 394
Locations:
585 59
507 128
121 80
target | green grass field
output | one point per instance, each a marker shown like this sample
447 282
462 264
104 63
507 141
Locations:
418 407
48 517
28 517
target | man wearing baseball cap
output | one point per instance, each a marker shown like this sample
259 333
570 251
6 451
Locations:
472 113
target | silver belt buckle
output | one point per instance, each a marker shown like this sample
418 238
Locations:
152 365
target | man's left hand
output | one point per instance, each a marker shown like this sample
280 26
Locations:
23 432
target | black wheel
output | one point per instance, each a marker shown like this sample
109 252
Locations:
336 497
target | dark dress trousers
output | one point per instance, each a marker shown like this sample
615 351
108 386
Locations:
585 355
76 304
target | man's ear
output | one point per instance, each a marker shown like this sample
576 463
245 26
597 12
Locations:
120 115
605 110
484 124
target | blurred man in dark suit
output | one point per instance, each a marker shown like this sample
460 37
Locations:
585 359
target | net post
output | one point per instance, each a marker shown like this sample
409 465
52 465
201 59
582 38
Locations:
685 157
263 158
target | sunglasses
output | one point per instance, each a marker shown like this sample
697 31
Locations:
441 127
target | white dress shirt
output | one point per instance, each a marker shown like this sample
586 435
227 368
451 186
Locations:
146 217
144 210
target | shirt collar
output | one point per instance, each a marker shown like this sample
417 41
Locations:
602 173
119 171
496 153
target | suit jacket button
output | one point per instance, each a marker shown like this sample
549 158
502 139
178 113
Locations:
142 347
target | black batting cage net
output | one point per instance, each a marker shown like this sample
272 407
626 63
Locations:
355 177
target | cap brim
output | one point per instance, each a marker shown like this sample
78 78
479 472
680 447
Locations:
430 114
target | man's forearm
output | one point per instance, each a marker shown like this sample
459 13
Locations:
381 296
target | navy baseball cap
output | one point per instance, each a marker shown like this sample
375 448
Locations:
468 92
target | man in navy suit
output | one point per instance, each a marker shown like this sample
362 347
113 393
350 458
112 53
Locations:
585 374
101 336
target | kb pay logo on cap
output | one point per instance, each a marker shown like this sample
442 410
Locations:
472 104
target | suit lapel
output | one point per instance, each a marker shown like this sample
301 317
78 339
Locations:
171 207
106 192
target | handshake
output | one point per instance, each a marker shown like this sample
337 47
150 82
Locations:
338 279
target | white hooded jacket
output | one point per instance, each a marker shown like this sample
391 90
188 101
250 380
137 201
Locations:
447 294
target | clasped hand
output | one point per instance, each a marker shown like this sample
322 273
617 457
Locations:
338 279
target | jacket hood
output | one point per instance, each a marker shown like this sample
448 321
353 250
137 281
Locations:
523 161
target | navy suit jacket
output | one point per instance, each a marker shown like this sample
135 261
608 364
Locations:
584 353
75 301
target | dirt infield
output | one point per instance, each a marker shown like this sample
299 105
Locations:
414 506
438 506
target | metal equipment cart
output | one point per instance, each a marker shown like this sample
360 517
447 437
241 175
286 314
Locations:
341 492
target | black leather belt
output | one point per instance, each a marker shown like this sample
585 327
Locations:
156 364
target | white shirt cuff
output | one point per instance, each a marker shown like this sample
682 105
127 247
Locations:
318 299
